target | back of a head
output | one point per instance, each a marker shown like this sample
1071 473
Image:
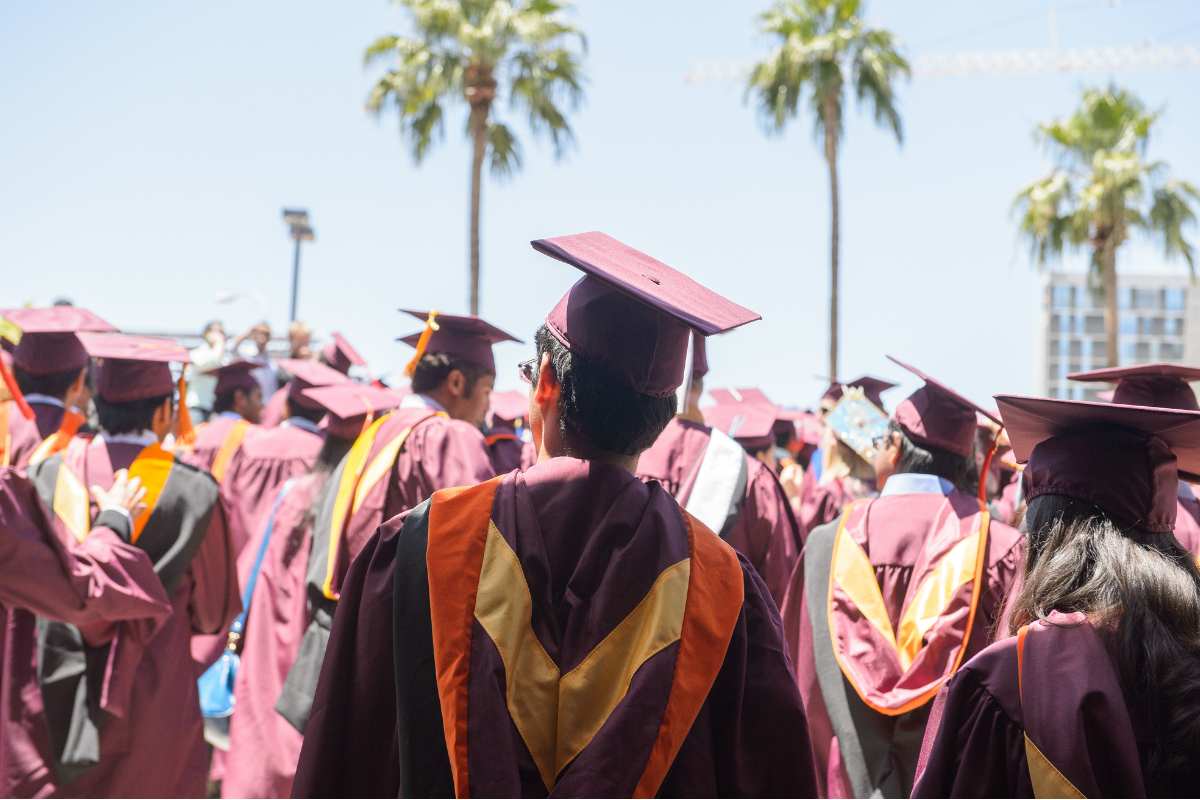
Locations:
597 404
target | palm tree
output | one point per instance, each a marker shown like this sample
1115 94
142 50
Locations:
1101 190
474 51
821 46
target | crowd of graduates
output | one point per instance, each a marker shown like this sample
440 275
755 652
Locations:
598 587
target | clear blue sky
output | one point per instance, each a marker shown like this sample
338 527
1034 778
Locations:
149 147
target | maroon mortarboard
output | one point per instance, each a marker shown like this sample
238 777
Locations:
1127 460
938 416
48 342
809 428
1159 385
132 368
340 355
752 424
723 396
235 376
509 405
699 357
348 405
634 313
469 338
872 388
305 375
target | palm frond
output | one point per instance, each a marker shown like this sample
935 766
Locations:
505 150
1170 212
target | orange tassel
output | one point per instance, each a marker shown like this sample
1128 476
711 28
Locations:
185 433
15 391
430 327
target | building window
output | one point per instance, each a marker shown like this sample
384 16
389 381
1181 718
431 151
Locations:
1128 324
1170 352
1099 351
1093 324
1174 299
1126 350
1123 298
1173 326
1076 349
1142 351
1060 297
1147 298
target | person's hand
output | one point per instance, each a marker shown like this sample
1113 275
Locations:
125 493
792 479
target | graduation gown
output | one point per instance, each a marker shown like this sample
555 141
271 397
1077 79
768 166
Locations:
764 528
506 449
910 582
272 413
397 463
1041 714
565 628
19 437
217 439
150 741
1187 519
264 747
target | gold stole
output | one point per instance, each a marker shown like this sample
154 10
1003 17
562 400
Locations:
152 465
71 422
233 440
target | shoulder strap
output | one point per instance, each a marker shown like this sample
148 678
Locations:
239 623
720 487
233 440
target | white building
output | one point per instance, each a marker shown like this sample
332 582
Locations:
1159 321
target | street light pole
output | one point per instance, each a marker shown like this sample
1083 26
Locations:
300 231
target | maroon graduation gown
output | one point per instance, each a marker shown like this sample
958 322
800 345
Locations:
1061 725
264 747
900 535
553 568
765 531
209 439
272 413
23 434
506 449
144 751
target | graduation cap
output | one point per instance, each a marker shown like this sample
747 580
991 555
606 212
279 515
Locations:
1159 385
872 389
306 375
470 338
937 416
235 376
858 422
1127 460
633 313
509 405
132 368
751 424
340 355
349 405
723 396
48 342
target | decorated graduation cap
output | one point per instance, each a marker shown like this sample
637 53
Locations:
751 424
340 355
1127 460
937 416
235 376
307 375
632 312
857 421
48 343
132 368
872 389
1159 385
350 406
509 405
469 338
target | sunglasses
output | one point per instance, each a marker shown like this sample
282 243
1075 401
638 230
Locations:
526 370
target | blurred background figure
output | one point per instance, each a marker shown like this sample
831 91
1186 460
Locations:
299 339
208 356
251 345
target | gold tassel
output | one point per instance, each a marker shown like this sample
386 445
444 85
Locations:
422 343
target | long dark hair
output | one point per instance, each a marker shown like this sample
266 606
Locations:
332 452
1142 591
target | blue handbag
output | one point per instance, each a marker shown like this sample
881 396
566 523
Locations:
216 684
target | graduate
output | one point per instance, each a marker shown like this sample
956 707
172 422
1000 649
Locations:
337 355
569 628
151 742
505 445
49 367
1161 386
264 746
823 496
237 404
892 597
433 441
732 492
1094 693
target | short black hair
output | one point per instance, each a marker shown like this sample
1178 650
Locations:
599 404
433 369
131 417
930 460
225 400
311 414
54 384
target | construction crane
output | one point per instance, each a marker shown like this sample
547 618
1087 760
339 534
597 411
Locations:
1146 56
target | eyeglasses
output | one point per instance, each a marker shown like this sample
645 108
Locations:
525 370
879 441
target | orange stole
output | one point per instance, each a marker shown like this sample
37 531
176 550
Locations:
500 437
152 465
233 440
5 437
71 422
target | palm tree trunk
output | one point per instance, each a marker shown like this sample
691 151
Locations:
479 115
829 122
1108 266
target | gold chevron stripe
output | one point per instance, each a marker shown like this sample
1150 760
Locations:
956 569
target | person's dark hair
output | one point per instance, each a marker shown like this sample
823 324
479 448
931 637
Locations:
131 417
959 470
598 404
1142 591
332 452
226 400
311 414
433 369
55 384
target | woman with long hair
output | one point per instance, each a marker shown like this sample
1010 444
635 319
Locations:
1097 691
